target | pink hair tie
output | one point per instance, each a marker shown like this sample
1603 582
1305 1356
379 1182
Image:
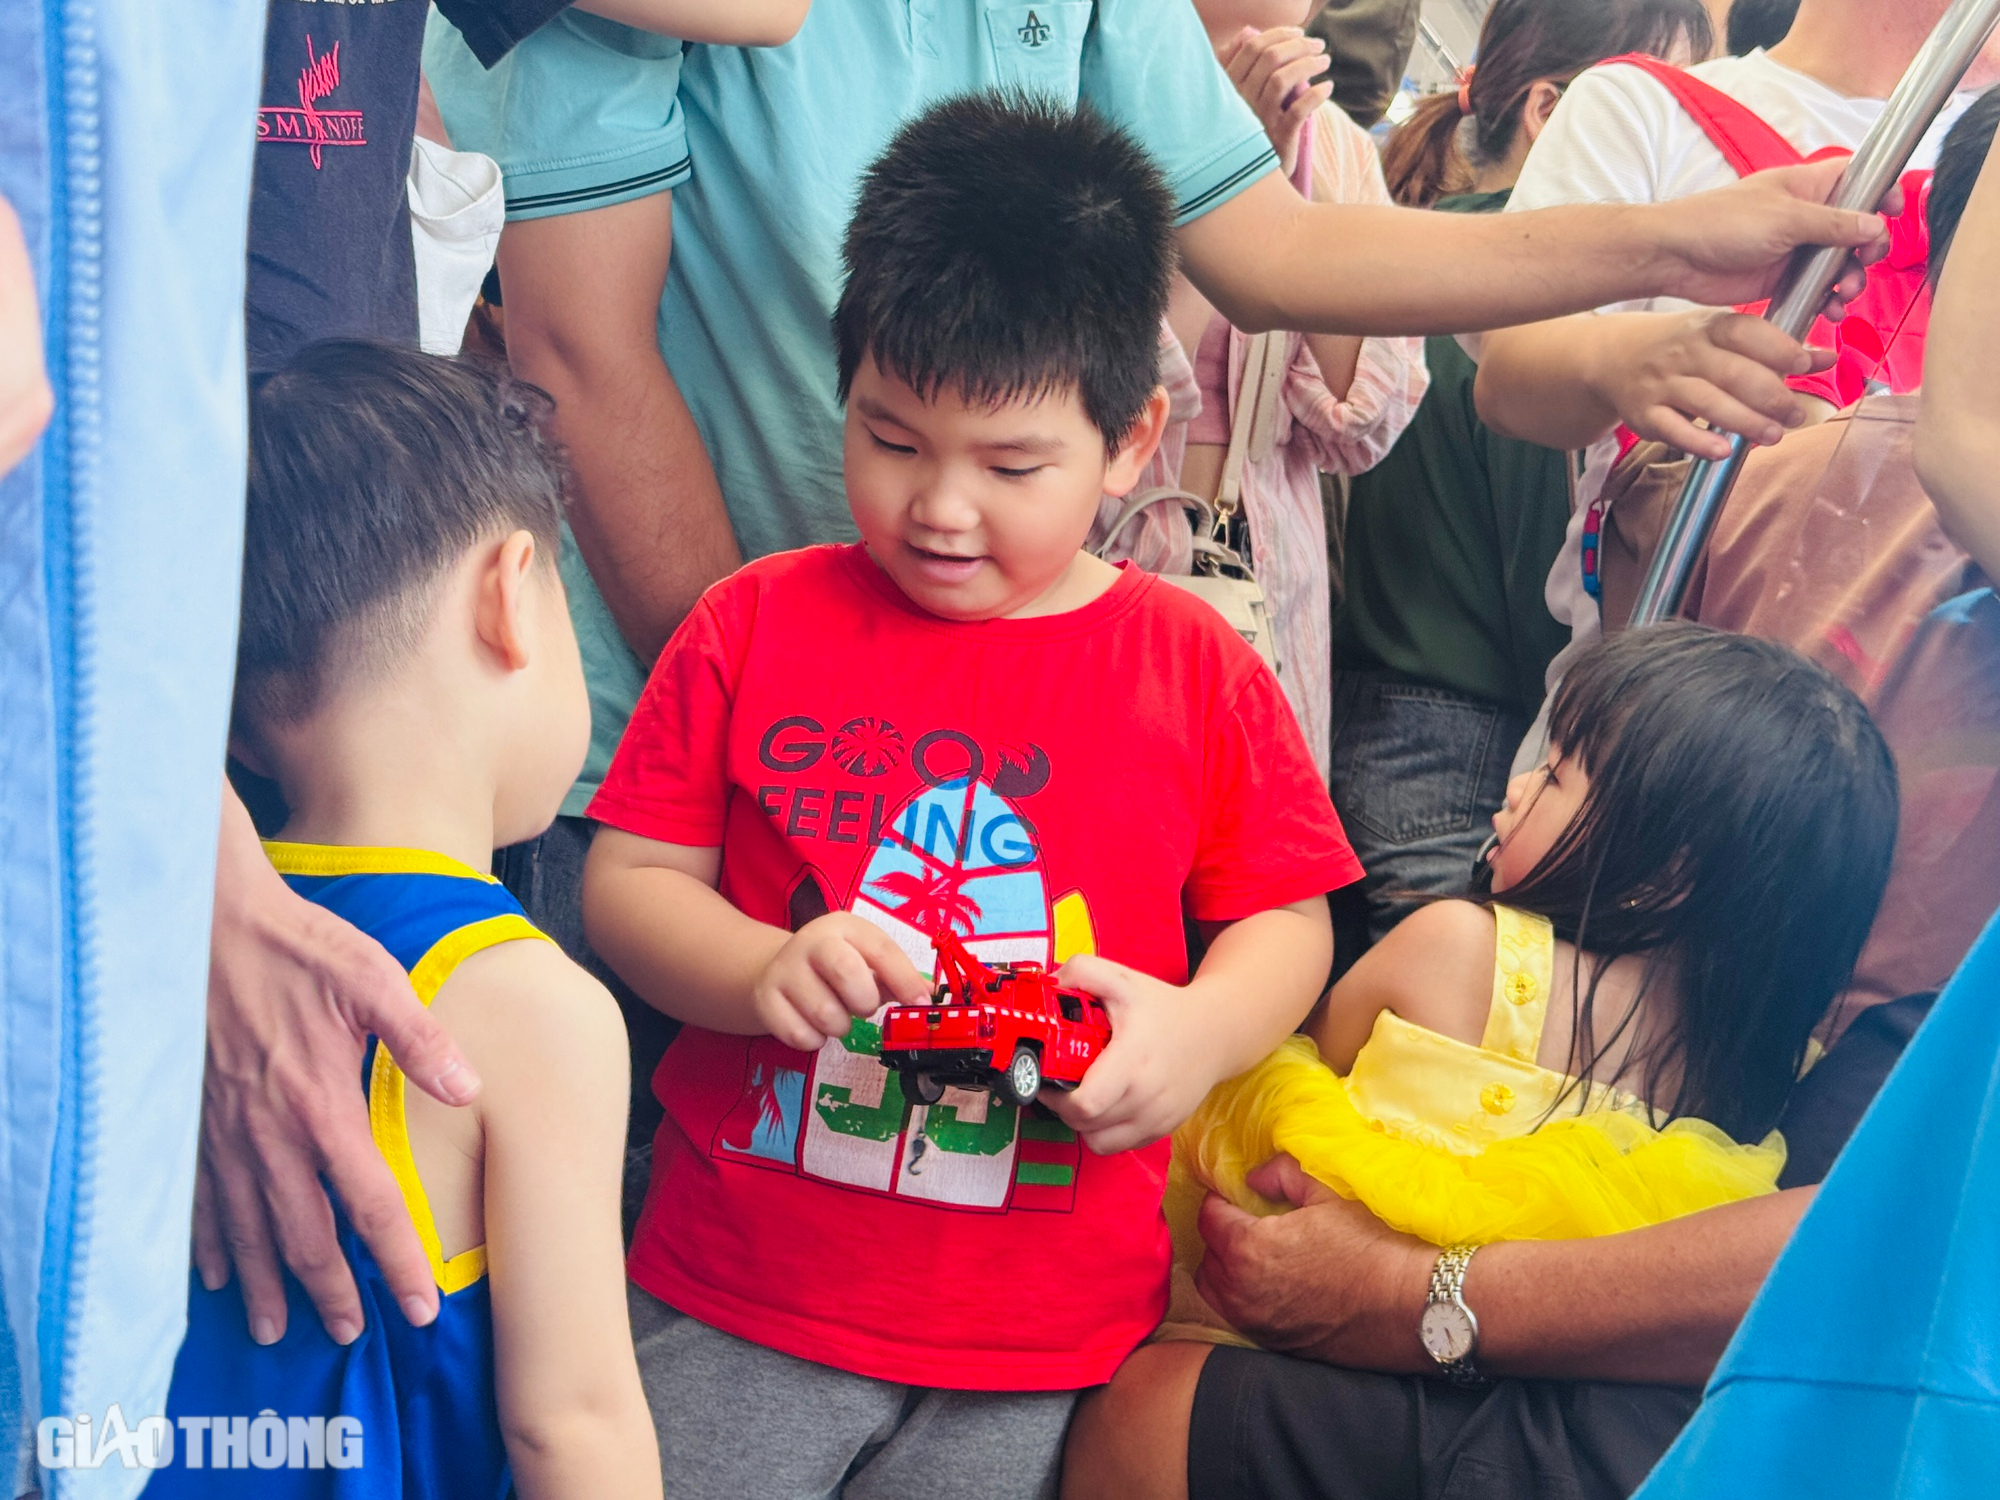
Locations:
1465 90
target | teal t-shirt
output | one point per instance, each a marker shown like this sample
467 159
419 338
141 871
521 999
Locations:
779 138
1449 543
586 117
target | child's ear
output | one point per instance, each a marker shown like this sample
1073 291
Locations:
1140 443
503 600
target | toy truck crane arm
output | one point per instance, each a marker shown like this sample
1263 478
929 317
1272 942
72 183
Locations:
1010 1029
957 968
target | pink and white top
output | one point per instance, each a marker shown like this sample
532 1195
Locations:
1316 432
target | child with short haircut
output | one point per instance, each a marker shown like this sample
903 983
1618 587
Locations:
964 723
407 672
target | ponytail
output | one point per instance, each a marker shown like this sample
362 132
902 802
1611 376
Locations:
1421 161
1522 43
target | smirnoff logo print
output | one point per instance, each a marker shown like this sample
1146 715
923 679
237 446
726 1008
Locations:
306 124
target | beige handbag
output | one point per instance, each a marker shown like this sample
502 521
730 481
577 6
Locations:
1221 577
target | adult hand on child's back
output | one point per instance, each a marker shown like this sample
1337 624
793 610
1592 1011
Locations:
293 995
1153 1075
833 969
1274 72
1327 1280
1731 245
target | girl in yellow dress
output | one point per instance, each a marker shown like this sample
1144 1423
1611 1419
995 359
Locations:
1687 881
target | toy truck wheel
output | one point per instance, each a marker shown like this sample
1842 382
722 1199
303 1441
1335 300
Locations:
1023 1079
922 1088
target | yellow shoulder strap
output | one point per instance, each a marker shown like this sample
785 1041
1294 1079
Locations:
357 859
386 1093
1523 963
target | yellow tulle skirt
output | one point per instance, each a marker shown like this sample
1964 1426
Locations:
1591 1174
1573 1178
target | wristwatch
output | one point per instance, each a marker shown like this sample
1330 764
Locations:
1449 1330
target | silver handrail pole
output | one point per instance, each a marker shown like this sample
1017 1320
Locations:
1932 76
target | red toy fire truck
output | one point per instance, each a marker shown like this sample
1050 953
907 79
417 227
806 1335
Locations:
1010 1028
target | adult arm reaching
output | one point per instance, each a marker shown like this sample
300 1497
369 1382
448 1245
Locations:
583 302
1568 382
293 995
1269 259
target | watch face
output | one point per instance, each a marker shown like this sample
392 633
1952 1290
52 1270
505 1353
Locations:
1447 1332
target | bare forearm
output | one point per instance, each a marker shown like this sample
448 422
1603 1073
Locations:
1332 1282
1265 972
1338 356
1362 269
683 948
736 23
1538 382
583 298
1655 1305
1957 444
647 513
606 1452
1268 259
1683 378
1958 462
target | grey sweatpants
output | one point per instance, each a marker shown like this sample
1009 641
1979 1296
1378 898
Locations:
737 1421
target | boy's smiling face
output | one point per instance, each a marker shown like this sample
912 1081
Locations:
979 511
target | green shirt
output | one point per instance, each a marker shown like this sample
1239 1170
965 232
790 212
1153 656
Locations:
1449 543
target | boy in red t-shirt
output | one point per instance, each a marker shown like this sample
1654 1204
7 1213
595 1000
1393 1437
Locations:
963 722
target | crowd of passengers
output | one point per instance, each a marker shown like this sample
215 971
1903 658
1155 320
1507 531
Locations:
1066 476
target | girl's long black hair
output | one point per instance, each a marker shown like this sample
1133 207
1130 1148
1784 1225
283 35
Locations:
1737 831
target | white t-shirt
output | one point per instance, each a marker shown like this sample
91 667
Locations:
1618 136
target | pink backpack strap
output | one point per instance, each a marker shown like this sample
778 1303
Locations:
1739 132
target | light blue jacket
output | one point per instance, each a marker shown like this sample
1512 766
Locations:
126 130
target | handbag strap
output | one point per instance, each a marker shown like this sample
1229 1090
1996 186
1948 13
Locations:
1252 435
1141 501
1210 555
1253 429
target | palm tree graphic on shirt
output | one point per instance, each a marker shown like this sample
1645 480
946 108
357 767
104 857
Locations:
931 901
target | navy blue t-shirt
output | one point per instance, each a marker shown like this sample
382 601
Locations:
330 250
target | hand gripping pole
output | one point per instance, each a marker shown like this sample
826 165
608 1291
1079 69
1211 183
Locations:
1918 99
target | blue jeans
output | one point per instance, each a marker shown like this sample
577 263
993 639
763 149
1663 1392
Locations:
1418 772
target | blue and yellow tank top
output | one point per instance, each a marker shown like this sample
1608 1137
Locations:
401 1412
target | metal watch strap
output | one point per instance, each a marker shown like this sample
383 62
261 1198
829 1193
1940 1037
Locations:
1448 1275
1447 1278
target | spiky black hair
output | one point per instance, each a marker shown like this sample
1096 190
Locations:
1011 246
